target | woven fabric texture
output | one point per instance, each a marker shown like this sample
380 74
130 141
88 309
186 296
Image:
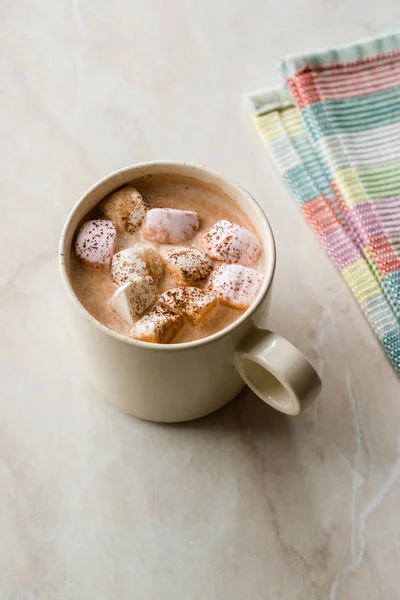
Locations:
334 134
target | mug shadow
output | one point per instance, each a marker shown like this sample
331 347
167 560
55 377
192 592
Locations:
245 411
249 422
269 446
265 450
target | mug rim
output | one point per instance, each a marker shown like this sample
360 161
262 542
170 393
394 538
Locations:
270 250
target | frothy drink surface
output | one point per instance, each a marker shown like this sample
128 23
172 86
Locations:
94 285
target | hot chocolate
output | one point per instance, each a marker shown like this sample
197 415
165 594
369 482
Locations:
166 259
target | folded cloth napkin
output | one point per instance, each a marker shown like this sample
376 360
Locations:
334 134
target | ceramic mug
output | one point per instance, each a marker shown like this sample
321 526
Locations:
179 382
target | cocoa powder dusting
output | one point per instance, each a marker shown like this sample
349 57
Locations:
95 287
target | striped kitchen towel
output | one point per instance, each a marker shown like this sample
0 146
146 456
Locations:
334 134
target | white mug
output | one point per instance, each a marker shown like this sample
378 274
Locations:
179 382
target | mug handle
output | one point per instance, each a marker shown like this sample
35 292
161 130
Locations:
277 372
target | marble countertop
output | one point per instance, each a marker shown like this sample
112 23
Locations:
247 503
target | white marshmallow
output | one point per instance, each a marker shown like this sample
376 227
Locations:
170 225
141 259
126 207
235 285
192 303
126 264
132 298
230 243
95 242
152 258
160 326
187 266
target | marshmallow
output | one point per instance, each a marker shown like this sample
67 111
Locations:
96 241
126 207
142 259
187 266
235 285
170 225
152 258
192 303
126 264
132 298
231 243
159 326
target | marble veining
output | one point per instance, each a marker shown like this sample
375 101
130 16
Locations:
247 503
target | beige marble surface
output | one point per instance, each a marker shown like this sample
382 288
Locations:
245 504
